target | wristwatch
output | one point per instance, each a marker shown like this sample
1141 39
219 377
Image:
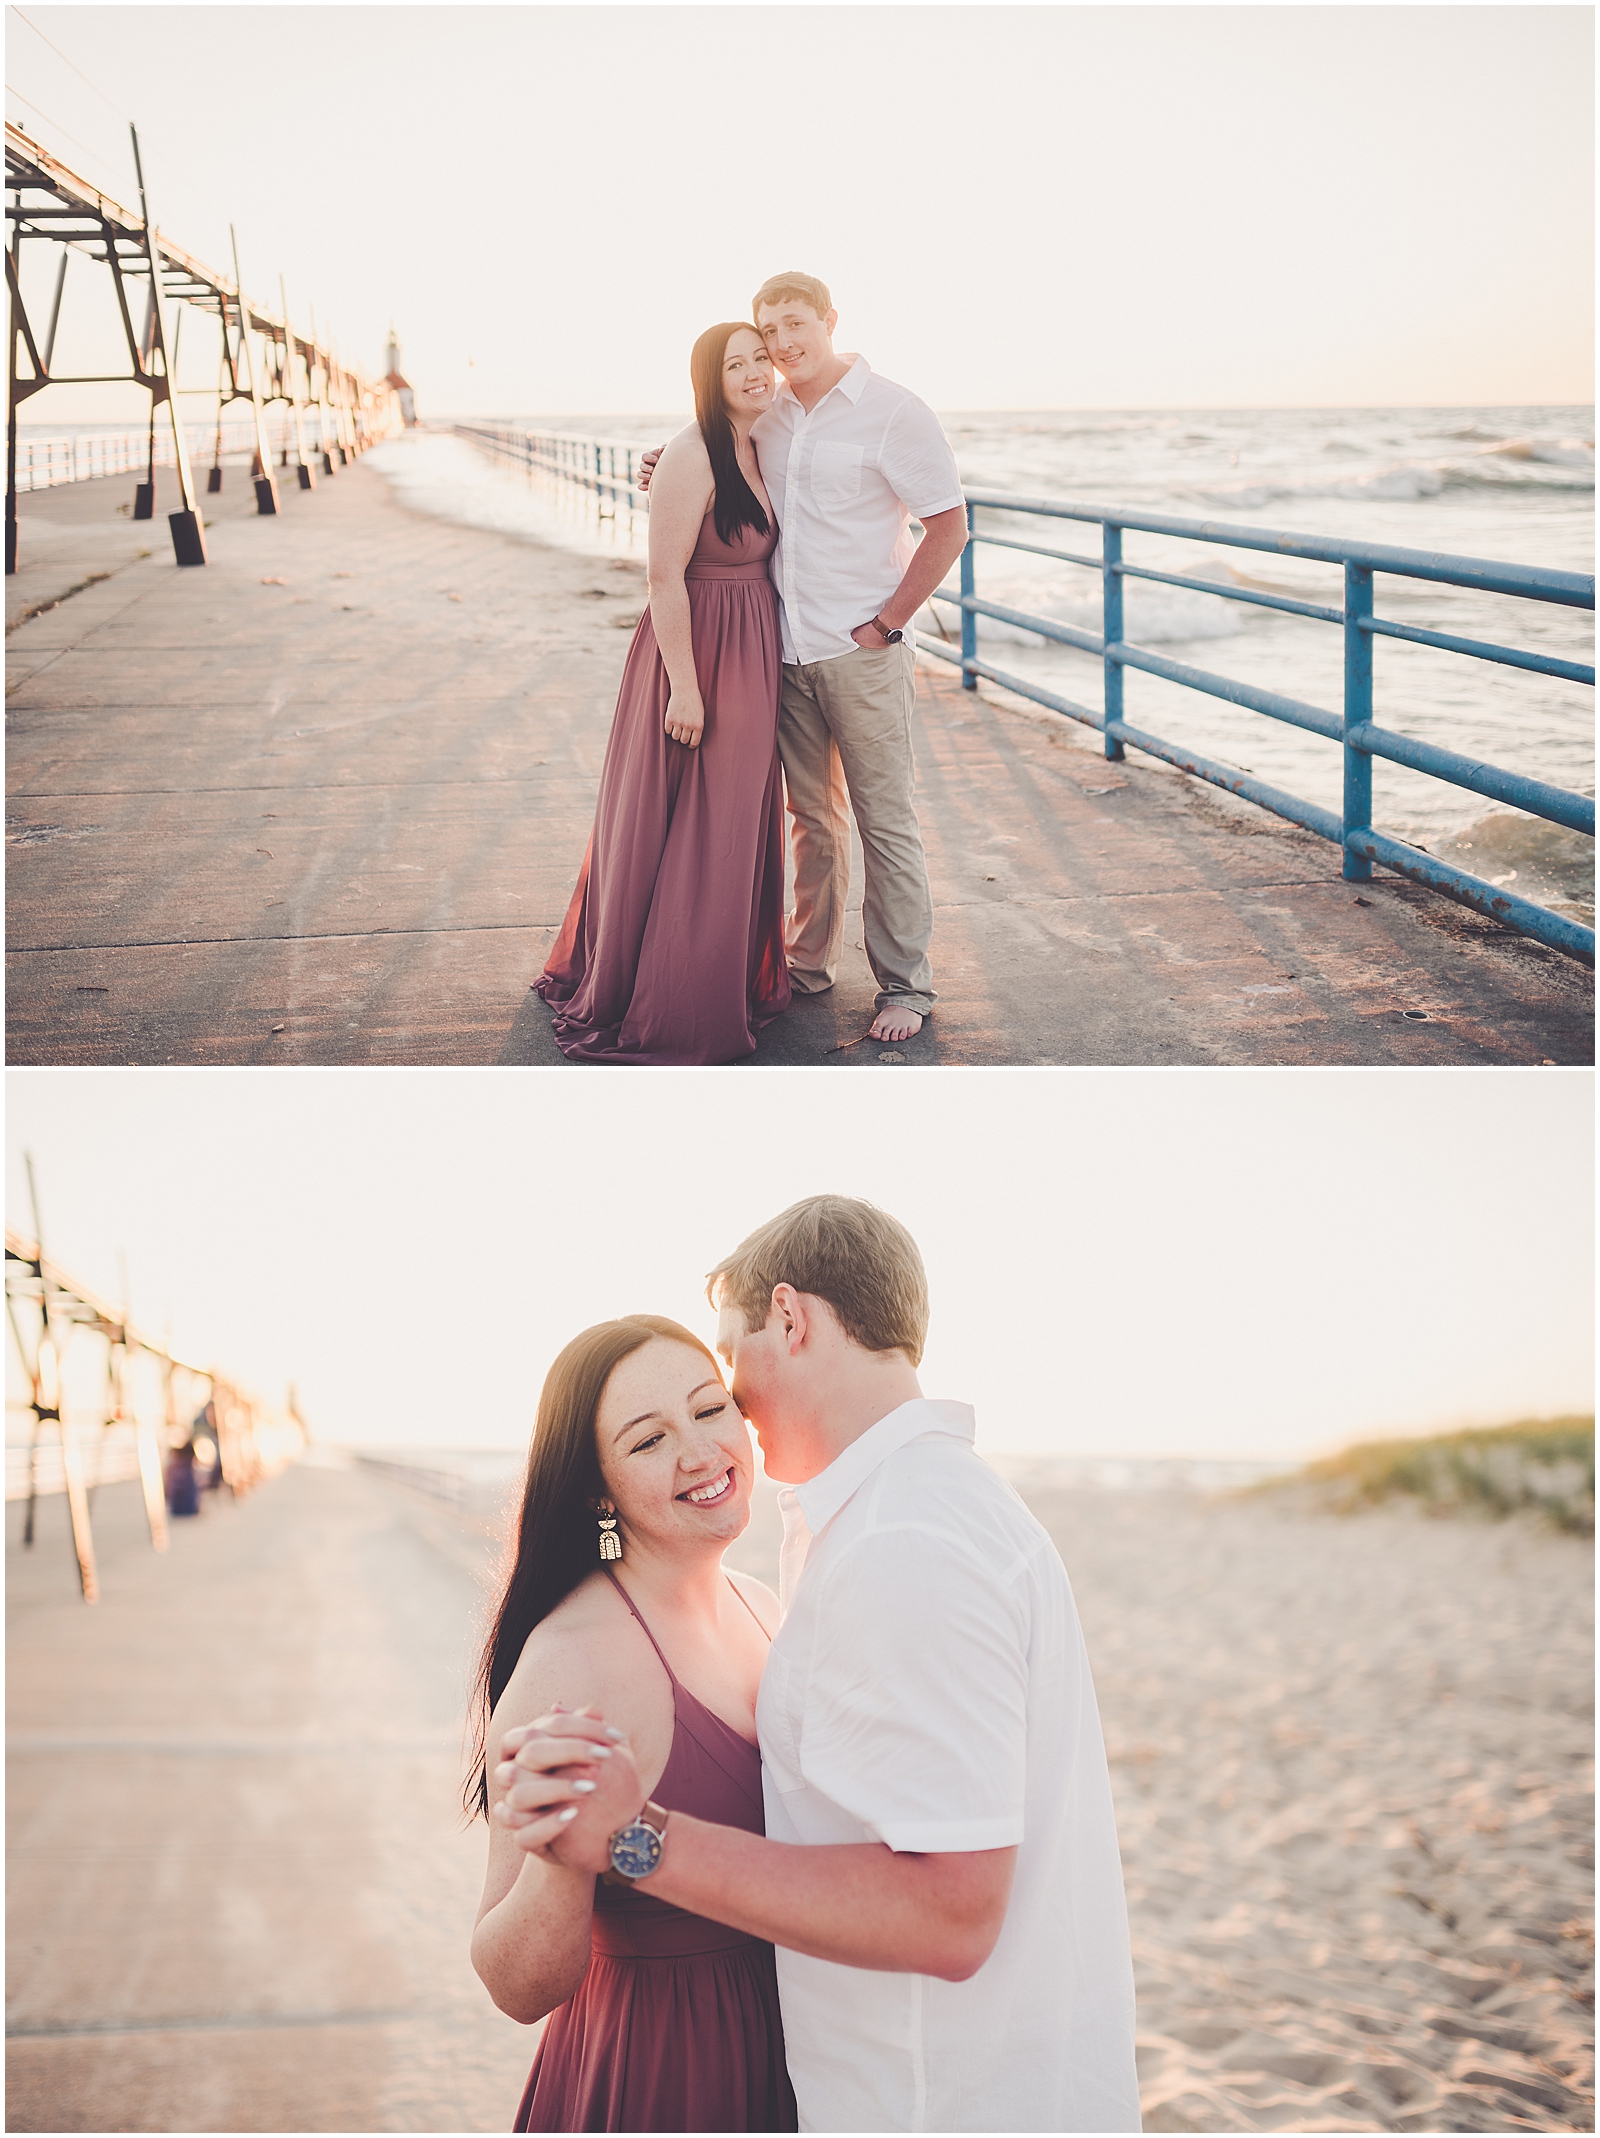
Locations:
636 1849
893 637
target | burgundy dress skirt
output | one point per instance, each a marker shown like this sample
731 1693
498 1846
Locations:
672 948
675 2025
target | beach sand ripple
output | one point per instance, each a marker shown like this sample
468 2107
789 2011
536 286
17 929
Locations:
1353 1768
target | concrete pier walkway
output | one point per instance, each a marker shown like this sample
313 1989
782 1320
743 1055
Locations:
323 802
239 1893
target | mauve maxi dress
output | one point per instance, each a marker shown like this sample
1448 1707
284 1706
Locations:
675 2026
672 948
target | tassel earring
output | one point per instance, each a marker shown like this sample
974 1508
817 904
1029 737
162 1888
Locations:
610 1542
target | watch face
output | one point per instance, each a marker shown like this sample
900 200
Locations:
636 1850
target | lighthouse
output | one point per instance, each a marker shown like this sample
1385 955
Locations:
397 385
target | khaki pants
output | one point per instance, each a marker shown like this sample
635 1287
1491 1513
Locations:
844 734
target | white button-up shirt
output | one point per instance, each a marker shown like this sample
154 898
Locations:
928 1688
845 482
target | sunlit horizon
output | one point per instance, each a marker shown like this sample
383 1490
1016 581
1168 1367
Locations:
1214 236
1121 1263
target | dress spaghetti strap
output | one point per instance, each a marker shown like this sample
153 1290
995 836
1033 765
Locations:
639 1615
750 1607
610 1572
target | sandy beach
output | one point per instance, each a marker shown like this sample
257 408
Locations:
1352 1764
1350 1757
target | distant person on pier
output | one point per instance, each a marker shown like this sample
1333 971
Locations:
205 1438
848 461
638 1480
183 1487
672 948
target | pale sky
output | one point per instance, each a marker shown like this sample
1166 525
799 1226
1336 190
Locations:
1226 1263
1015 207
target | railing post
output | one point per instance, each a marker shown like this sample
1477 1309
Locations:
1111 632
1357 709
969 622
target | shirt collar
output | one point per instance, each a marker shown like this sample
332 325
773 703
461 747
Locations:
853 385
822 1496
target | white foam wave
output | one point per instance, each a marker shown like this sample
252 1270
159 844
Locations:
1552 452
1402 483
1511 462
452 480
1565 453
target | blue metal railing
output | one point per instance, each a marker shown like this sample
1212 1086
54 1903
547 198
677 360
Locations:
1354 729
607 466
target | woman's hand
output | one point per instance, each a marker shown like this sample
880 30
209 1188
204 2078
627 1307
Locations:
572 1784
686 718
543 1777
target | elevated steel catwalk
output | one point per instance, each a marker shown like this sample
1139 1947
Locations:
51 202
49 1312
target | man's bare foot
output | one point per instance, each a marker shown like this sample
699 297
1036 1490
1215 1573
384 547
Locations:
893 1023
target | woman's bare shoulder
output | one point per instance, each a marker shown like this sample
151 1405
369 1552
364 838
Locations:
684 461
687 446
580 1655
758 1596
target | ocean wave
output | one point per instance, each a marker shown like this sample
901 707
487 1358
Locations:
1544 862
1562 452
1403 483
1511 463
1556 453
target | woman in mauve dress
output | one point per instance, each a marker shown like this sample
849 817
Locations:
672 948
658 2020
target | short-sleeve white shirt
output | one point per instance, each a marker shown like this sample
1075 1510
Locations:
845 483
929 1688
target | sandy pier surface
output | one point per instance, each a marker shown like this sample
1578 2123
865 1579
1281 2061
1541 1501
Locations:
1351 1762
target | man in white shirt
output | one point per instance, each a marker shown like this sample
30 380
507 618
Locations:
940 1869
849 460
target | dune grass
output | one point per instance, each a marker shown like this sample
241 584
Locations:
1542 1464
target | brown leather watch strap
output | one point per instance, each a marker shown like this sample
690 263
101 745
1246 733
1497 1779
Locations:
652 1814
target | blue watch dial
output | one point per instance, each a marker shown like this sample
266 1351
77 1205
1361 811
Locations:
635 1850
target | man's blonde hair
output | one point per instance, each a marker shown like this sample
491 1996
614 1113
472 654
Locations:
806 287
860 1260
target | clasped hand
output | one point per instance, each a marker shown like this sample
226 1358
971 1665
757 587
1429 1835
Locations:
570 1782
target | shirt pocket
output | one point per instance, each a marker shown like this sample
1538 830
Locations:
836 473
